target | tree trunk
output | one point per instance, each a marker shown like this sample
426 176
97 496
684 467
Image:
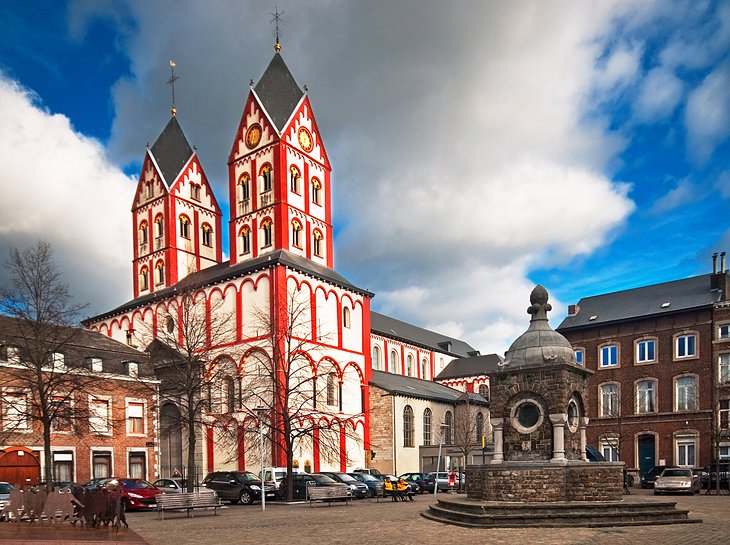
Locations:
48 467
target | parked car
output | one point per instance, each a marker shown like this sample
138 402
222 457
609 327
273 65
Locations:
136 493
647 479
369 470
172 485
678 480
273 475
95 483
709 475
300 482
237 486
359 490
593 454
5 490
375 485
442 481
423 480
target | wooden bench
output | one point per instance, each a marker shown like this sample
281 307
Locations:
188 501
328 494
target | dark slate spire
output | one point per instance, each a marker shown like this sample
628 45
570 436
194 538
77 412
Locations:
171 151
278 91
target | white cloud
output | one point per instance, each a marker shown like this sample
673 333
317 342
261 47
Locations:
58 185
708 113
683 194
659 95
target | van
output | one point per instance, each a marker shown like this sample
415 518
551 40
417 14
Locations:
275 475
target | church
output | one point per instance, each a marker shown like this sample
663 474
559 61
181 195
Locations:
292 323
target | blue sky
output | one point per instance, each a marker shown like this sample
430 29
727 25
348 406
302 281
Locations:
475 152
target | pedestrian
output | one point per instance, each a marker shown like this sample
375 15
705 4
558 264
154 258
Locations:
176 473
402 489
388 489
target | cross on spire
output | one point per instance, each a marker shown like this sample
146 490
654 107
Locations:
276 20
171 83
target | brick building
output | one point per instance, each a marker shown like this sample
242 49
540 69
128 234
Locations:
105 426
661 357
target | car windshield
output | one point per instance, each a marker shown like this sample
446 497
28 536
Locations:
245 477
135 484
6 488
321 479
366 477
346 478
677 473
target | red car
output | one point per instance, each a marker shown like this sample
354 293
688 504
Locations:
137 493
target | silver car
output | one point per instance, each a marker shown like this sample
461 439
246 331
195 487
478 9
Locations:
5 490
174 485
677 480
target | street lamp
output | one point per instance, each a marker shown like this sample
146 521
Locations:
260 412
438 462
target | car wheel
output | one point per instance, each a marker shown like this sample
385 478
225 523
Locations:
371 492
246 498
656 492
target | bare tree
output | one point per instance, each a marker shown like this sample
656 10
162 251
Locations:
184 348
470 421
303 408
39 382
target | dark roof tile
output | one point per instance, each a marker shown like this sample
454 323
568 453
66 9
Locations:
414 387
390 327
278 91
171 151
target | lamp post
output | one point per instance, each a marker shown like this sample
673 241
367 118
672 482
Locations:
438 462
260 412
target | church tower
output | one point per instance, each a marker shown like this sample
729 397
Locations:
279 174
176 220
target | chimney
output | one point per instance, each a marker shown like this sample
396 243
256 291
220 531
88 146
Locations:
722 262
714 263
573 310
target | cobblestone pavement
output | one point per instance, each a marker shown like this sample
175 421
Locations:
367 521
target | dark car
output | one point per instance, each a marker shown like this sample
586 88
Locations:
423 480
375 485
594 455
95 483
359 489
709 475
237 486
301 481
136 493
648 478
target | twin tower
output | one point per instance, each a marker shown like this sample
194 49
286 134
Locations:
278 184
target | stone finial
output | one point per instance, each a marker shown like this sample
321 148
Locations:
539 304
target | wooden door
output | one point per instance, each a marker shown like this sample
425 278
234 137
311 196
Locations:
19 468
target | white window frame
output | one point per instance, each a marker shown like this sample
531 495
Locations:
128 402
582 360
682 340
685 450
724 368
644 343
689 404
642 406
607 349
13 411
723 331
614 407
106 429
96 365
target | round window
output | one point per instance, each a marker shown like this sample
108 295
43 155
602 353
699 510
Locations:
573 416
527 416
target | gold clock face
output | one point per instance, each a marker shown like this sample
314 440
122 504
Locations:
253 136
305 139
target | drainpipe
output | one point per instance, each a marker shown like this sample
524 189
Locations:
395 445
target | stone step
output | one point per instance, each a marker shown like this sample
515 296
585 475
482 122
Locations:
536 509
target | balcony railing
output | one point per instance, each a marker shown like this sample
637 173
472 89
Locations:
267 199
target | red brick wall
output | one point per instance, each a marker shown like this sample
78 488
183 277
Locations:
381 430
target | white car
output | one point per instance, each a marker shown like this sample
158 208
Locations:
677 479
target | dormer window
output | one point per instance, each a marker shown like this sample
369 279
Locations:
133 368
57 361
195 192
316 191
95 364
294 177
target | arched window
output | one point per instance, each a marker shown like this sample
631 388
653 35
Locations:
245 240
645 396
316 191
143 232
479 424
266 232
144 281
448 430
184 227
332 389
409 366
376 358
195 192
317 243
686 393
207 238
296 233
150 189
160 273
230 394
265 175
346 317
484 391
243 192
609 400
424 368
407 426
294 177
393 363
427 427
159 226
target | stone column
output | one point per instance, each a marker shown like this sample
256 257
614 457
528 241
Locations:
583 424
558 421
497 424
